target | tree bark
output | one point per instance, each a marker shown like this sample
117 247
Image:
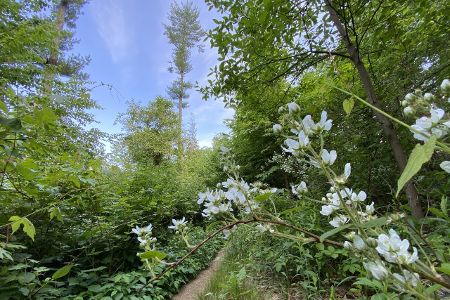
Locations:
52 60
180 118
386 124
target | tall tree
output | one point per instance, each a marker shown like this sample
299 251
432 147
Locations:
190 136
151 131
184 32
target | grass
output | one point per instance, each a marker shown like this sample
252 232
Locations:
231 281
237 278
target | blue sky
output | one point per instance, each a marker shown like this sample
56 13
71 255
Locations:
128 49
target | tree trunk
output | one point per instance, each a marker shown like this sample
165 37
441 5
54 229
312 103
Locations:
180 118
52 60
386 124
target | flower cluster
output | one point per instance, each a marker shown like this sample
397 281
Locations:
178 225
342 200
347 205
433 121
144 235
304 129
237 194
394 249
435 124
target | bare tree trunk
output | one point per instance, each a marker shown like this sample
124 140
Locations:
180 118
386 124
49 74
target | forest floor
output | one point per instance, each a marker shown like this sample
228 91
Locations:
193 289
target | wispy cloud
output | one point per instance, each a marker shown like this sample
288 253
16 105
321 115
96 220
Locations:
109 16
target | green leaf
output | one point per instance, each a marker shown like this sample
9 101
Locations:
262 197
13 123
76 182
444 268
46 116
444 204
376 222
16 223
3 106
420 155
437 212
152 254
348 105
370 283
28 228
61 272
432 289
55 212
333 232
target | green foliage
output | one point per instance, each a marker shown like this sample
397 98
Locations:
420 155
150 131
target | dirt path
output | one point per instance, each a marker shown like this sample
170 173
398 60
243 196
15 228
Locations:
194 288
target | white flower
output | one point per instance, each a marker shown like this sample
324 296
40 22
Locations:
377 269
299 188
328 157
136 230
338 221
358 242
324 124
327 209
303 139
360 197
445 165
436 114
261 228
142 241
277 128
292 145
226 233
144 230
178 224
293 107
407 278
394 249
308 124
348 245
201 197
347 170
224 207
370 209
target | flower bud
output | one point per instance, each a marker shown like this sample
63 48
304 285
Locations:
277 128
405 103
428 97
371 242
408 111
293 107
445 86
410 97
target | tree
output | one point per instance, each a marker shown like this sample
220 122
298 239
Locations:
151 131
260 42
184 33
190 136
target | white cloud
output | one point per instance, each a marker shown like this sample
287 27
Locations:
112 27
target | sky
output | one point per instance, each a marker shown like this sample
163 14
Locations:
129 52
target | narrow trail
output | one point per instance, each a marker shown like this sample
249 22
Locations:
194 288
